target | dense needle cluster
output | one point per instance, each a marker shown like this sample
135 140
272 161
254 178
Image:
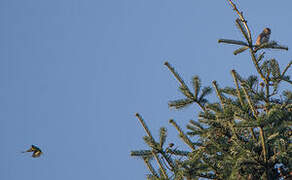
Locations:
245 135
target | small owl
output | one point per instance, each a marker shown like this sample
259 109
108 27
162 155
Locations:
263 37
36 151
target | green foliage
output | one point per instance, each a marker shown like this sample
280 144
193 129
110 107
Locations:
245 135
240 50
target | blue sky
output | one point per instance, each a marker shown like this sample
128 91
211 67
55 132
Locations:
74 73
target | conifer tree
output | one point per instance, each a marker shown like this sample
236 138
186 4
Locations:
245 135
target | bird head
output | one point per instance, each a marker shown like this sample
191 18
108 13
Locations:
267 31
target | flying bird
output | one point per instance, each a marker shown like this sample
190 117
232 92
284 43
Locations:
36 151
263 37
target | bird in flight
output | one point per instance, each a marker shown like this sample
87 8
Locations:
36 151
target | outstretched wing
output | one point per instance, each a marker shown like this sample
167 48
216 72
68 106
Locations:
35 148
36 154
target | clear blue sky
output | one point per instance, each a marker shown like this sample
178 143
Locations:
74 72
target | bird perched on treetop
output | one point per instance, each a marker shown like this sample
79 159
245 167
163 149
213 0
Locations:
263 37
36 151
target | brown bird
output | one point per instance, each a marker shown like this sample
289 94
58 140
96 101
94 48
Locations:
263 37
36 151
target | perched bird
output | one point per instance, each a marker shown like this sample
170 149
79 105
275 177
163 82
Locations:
263 37
36 151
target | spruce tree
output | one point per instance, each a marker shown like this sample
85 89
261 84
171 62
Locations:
245 135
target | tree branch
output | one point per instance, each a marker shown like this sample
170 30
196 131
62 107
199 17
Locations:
240 14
